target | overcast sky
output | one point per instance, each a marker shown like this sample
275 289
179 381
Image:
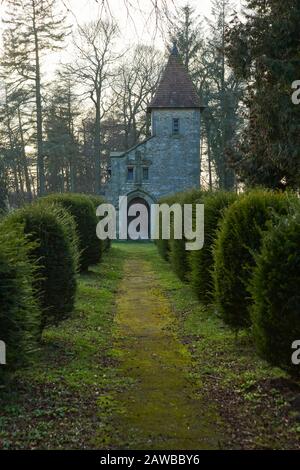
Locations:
136 24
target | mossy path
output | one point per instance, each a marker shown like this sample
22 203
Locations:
141 364
161 408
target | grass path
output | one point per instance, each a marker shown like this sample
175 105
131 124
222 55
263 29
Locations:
142 364
161 409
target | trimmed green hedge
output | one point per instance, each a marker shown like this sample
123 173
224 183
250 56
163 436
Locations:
250 265
19 310
238 241
276 293
71 233
54 231
83 210
179 256
202 261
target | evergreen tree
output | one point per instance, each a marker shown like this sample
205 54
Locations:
33 28
186 33
61 146
14 138
263 49
20 107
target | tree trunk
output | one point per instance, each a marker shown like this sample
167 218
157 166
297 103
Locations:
71 169
24 159
20 177
16 182
98 173
209 165
12 149
39 114
223 113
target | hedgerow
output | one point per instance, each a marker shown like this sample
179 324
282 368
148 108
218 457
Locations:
53 231
19 309
201 261
83 210
275 292
237 243
179 256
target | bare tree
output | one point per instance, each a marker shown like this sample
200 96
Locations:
134 87
155 12
16 133
223 92
93 70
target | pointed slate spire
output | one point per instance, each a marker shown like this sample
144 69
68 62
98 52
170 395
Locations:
175 89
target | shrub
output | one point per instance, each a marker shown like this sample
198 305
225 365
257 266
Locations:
19 310
179 256
276 294
69 224
201 261
82 209
70 228
55 254
238 240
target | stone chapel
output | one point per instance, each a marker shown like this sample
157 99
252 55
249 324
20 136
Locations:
169 160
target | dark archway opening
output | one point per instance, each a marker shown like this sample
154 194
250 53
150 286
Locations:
139 200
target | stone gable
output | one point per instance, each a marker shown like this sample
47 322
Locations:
168 161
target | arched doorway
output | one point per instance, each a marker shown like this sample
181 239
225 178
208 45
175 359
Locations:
141 201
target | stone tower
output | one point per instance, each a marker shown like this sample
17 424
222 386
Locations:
169 160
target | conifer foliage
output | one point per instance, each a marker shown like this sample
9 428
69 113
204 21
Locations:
201 261
83 210
237 242
33 28
19 309
263 50
275 291
54 234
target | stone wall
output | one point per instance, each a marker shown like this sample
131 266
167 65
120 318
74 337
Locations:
173 160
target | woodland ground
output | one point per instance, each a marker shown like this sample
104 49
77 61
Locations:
142 364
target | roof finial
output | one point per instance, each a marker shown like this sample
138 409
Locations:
175 49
